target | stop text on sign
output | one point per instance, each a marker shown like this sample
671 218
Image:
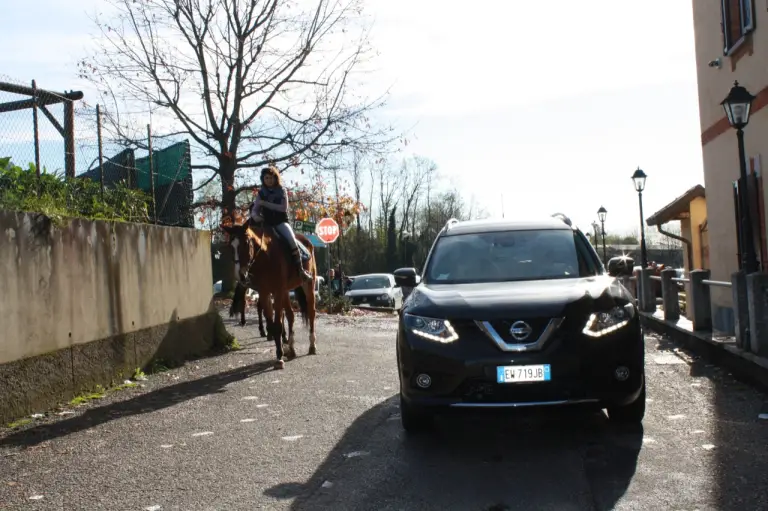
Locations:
327 230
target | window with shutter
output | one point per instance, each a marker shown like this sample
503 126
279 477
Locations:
738 22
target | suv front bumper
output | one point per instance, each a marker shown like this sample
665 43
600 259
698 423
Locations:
583 371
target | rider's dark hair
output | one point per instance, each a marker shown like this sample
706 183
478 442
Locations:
271 170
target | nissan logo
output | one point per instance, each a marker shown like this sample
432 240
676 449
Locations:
520 330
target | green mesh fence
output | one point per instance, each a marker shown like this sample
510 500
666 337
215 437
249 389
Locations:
171 164
173 194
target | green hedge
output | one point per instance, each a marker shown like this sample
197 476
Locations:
58 197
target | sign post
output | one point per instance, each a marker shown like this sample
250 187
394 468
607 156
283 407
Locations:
328 231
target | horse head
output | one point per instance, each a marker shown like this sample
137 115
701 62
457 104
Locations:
247 244
238 240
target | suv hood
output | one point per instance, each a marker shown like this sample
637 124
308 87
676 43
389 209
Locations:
497 300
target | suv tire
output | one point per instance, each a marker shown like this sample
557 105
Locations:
414 419
633 413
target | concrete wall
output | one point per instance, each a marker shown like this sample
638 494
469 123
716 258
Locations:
720 153
89 302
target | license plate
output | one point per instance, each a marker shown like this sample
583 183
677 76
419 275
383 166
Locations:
521 374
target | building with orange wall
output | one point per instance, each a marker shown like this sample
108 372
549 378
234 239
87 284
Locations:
731 45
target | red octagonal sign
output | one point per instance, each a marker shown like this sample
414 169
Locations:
327 230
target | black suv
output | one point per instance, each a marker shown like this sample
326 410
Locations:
515 314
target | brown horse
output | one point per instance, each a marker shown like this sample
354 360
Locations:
261 262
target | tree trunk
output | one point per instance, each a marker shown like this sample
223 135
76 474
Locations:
228 206
391 250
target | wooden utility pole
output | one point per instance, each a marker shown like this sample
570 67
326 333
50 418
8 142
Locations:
69 138
101 151
152 173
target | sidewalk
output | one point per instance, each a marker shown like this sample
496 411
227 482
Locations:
718 348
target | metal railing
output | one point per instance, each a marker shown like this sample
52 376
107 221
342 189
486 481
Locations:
694 301
717 283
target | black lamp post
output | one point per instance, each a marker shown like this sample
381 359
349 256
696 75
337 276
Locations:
639 179
601 214
737 108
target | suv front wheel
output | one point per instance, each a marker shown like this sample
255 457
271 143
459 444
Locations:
633 413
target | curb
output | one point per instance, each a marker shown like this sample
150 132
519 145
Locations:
745 366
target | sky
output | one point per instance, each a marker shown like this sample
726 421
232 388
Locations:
529 110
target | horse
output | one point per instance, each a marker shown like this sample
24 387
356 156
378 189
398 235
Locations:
262 262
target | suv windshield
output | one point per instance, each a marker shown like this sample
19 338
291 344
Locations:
510 256
373 282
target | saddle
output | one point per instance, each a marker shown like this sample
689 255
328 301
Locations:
303 251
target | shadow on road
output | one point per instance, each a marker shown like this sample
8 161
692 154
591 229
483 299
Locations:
564 459
145 403
738 441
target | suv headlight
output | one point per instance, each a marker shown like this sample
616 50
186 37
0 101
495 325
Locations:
438 330
604 323
384 297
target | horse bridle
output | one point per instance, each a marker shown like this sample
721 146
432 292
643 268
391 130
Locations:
260 248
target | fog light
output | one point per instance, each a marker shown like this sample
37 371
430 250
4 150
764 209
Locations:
621 373
424 381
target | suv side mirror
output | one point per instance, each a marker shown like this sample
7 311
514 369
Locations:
406 277
620 266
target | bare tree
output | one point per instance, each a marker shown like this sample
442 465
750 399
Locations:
388 185
416 173
251 82
356 172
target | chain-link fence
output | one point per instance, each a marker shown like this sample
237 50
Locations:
171 188
59 133
37 126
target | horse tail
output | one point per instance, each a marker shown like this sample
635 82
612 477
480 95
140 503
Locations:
301 299
238 300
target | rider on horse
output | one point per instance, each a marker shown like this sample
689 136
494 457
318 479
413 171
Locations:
271 207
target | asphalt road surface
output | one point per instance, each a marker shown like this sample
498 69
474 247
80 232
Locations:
229 433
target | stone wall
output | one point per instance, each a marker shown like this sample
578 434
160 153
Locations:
86 303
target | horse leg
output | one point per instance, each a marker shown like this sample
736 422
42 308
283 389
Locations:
273 329
260 312
243 305
290 316
309 290
277 330
238 303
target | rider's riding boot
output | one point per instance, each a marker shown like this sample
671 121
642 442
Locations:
300 265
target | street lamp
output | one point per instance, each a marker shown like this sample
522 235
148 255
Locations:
601 214
639 179
737 108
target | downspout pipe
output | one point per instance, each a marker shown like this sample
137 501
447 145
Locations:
687 242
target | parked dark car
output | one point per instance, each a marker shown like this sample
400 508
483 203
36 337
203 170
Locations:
518 314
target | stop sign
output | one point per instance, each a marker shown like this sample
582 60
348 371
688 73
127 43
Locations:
327 230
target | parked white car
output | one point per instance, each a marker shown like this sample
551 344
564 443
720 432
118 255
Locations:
375 290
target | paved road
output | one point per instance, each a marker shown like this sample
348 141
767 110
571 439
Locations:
230 433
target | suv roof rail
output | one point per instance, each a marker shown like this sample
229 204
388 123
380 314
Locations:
564 218
450 223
